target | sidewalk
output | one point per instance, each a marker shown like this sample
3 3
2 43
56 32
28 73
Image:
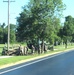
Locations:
5 57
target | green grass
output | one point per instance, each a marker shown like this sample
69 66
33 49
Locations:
1 47
62 47
14 59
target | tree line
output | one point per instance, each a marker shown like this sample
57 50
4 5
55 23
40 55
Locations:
4 33
40 21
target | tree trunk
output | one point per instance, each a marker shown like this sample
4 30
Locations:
53 46
42 47
66 44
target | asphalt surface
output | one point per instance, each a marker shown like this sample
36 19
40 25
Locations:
60 64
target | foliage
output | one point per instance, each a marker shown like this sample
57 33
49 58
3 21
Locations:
39 20
4 33
12 33
67 31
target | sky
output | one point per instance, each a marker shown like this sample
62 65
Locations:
69 8
16 8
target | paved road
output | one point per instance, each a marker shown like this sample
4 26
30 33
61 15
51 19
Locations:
61 64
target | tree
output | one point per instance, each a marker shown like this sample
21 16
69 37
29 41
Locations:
37 20
12 33
68 29
3 33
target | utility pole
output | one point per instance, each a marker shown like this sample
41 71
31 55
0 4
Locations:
8 44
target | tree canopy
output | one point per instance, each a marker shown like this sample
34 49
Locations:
4 33
40 20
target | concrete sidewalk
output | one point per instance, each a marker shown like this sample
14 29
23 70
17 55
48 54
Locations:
5 57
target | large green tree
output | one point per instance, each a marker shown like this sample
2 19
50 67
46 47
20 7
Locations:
37 15
39 20
68 29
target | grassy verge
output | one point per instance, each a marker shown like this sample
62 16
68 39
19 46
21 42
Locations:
15 59
1 47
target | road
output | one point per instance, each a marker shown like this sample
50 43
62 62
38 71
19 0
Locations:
60 64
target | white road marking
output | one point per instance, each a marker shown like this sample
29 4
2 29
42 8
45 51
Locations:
32 63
